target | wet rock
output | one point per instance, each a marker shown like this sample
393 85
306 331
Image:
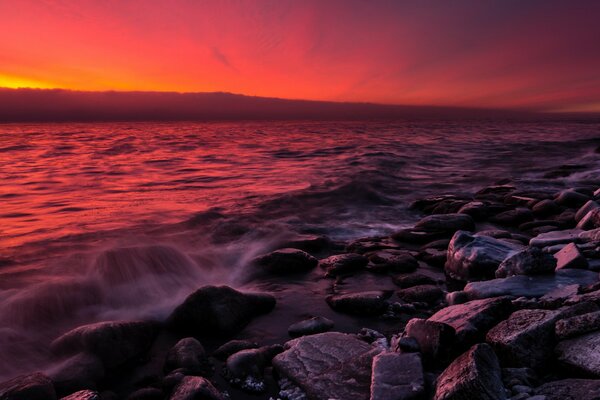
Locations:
404 344
519 376
114 342
397 377
531 261
310 326
478 210
529 286
360 303
448 223
546 207
82 371
232 347
366 245
434 257
393 260
457 297
84 395
586 208
556 237
590 236
342 264
195 387
496 192
245 368
285 261
578 325
475 374
513 217
581 353
472 320
148 393
476 257
218 311
309 243
35 386
570 257
570 389
435 338
189 355
436 204
571 198
558 296
414 279
430 294
418 236
328 365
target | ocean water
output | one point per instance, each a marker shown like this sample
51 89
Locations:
122 220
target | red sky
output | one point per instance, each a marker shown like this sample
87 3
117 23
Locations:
539 54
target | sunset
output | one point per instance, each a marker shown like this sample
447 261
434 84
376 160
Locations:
299 200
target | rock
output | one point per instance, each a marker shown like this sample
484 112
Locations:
218 311
475 374
188 355
581 353
472 320
285 261
328 365
558 296
83 395
195 388
414 279
457 297
430 294
531 261
478 210
571 198
246 368
570 257
310 326
414 235
519 376
309 243
114 342
360 303
82 371
570 389
35 386
476 257
496 192
590 236
343 264
434 257
529 286
586 208
447 223
556 237
513 217
397 377
232 347
393 260
435 339
405 344
578 325
443 204
148 393
545 207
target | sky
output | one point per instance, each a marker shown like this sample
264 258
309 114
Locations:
534 54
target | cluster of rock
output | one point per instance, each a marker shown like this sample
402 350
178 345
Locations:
497 297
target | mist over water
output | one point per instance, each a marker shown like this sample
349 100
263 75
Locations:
117 221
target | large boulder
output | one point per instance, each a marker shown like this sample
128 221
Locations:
188 354
472 257
475 374
28 387
360 303
570 389
530 261
328 365
447 223
285 261
114 342
218 311
79 372
397 377
342 264
195 388
581 353
472 320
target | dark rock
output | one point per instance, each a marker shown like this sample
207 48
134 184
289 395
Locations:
534 226
188 354
328 365
435 338
232 347
497 192
360 303
585 209
28 387
448 223
397 377
571 198
519 376
529 286
559 295
478 210
310 326
365 245
473 319
343 264
531 261
417 236
218 311
570 257
309 243
430 294
84 395
476 257
148 393
246 368
570 389
475 374
285 261
556 237
414 279
446 202
82 371
513 217
457 297
441 244
581 353
546 207
195 388
577 325
393 260
495 233
590 236
114 342
434 257
406 344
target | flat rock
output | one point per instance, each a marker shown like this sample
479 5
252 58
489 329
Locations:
570 257
285 261
577 325
218 311
397 377
195 387
472 320
328 366
475 374
472 257
310 326
530 261
35 386
556 237
448 223
188 354
529 286
83 395
570 389
435 339
360 303
342 264
581 353
114 342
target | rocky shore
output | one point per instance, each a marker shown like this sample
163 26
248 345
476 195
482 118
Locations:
497 297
